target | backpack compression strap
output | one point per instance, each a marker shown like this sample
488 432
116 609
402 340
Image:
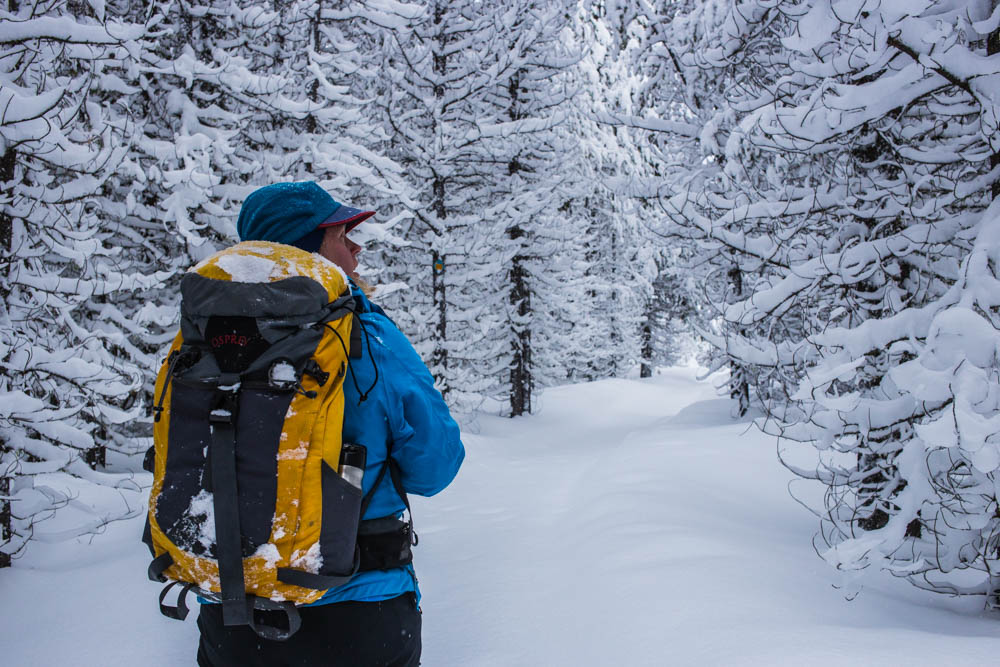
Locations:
235 610
235 607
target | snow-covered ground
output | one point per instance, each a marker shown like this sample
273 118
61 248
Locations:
628 522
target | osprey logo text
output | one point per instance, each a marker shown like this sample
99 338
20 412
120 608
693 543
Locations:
230 339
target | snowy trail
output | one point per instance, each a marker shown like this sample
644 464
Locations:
629 522
635 523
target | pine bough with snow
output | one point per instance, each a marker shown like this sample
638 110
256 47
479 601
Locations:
130 135
849 153
132 131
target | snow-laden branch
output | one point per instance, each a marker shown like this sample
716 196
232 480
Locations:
686 130
15 30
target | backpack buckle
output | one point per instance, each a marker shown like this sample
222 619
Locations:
224 410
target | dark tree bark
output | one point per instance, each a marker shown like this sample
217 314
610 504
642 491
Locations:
439 294
521 377
439 357
739 386
6 239
992 48
521 380
646 364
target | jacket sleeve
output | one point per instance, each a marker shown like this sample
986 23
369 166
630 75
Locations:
426 441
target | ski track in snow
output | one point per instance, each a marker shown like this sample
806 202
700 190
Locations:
628 522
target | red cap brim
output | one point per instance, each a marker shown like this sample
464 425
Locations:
346 215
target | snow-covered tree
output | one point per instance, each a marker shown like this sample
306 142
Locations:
911 496
473 101
310 121
621 264
237 95
666 332
540 276
232 96
667 110
698 60
855 145
132 133
69 390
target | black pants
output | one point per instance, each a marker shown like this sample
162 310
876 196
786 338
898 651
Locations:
349 634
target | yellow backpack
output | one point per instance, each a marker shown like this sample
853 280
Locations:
253 502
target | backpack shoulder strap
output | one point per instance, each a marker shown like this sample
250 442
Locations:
395 474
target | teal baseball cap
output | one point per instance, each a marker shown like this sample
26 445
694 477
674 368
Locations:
288 212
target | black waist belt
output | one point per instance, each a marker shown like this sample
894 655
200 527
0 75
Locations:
384 544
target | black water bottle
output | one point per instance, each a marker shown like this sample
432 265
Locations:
352 464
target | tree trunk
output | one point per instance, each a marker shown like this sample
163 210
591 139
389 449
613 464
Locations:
316 39
439 357
520 373
992 48
521 380
646 363
5 528
6 222
739 387
6 240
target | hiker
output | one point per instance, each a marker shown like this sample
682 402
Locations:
391 405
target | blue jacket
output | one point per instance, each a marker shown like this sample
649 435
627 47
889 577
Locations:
404 412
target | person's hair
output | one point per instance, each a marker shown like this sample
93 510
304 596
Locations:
365 286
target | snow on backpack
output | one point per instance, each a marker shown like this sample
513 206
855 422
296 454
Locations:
256 501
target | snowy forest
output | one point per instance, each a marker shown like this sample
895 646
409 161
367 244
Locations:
802 193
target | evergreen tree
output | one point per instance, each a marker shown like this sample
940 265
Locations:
69 388
133 132
231 97
310 121
529 191
628 255
666 329
472 101
856 145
